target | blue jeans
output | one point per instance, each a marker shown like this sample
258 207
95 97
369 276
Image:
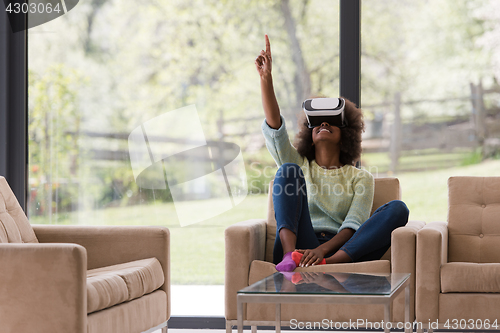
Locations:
369 242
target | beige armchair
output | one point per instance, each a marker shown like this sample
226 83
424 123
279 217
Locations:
79 278
249 251
458 263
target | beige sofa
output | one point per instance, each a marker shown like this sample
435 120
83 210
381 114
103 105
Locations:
458 263
80 278
248 251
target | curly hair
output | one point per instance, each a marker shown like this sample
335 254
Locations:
350 141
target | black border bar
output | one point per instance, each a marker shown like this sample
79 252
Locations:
188 322
14 104
350 50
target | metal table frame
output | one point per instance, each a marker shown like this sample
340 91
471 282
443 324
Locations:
385 300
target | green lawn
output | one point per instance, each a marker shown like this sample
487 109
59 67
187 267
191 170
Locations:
197 251
421 160
426 193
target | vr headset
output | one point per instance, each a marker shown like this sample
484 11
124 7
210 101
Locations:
330 110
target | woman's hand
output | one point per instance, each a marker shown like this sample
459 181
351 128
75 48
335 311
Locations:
325 280
264 61
312 277
310 257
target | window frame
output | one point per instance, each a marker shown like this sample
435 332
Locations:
14 105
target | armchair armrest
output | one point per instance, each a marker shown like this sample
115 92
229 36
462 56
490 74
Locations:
403 257
111 245
43 288
432 252
244 242
403 247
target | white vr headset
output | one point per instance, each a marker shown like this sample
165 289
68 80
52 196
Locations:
330 110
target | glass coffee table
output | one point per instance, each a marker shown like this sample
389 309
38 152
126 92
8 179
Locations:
326 288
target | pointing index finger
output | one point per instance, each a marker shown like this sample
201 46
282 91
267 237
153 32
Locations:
268 45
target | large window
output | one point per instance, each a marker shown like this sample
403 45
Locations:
149 113
109 71
130 101
430 94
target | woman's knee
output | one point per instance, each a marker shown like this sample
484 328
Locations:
289 171
400 211
289 182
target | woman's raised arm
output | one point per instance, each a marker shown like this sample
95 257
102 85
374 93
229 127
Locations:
263 63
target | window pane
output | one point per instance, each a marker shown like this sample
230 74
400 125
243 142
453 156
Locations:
430 95
150 114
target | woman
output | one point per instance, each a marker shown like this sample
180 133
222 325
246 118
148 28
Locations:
322 202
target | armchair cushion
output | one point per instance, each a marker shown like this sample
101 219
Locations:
260 269
470 278
14 225
130 317
108 286
104 291
474 231
386 189
468 306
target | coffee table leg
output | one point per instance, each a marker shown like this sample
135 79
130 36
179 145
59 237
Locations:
239 315
278 317
387 316
407 309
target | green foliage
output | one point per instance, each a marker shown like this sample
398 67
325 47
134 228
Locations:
53 129
138 64
474 157
424 50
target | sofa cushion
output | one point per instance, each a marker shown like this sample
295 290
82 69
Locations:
104 291
131 317
261 269
466 277
14 225
108 286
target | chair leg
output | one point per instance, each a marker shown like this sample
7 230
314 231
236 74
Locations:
430 330
254 329
229 328
420 329
164 329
